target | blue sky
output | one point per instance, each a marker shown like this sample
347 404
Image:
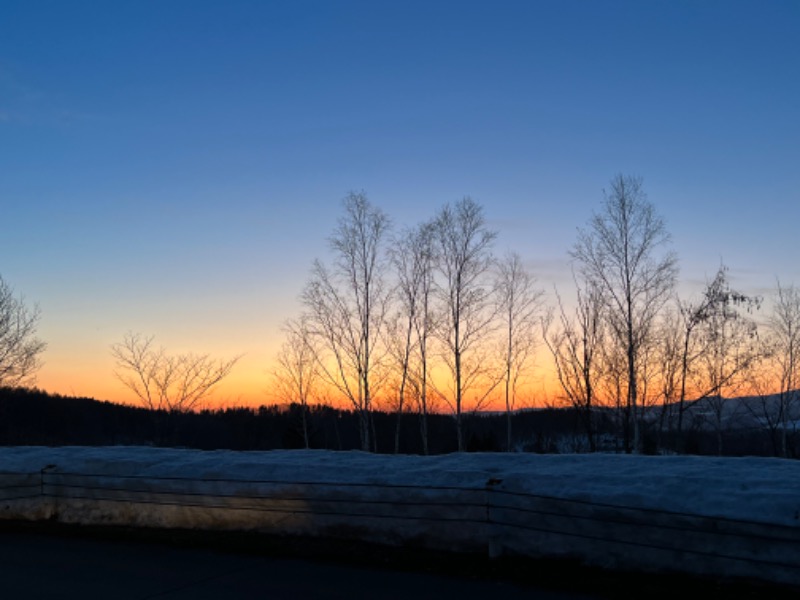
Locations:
174 167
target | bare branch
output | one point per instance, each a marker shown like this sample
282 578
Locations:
619 254
19 346
464 259
347 305
165 382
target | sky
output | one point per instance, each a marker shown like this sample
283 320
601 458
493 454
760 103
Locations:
173 167
440 500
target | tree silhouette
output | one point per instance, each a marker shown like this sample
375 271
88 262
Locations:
346 307
19 346
172 383
464 260
619 253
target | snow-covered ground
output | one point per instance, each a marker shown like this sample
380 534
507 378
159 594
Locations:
718 516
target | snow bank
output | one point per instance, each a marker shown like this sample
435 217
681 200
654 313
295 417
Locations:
737 516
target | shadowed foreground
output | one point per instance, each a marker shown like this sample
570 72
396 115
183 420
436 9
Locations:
70 563
46 561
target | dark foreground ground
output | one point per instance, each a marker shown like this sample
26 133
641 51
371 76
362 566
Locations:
48 561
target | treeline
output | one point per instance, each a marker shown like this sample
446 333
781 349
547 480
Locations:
33 417
427 319
425 324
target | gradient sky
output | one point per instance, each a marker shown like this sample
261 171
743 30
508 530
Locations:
173 167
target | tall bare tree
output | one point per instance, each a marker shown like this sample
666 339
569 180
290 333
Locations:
412 258
716 303
424 326
346 307
783 325
296 371
668 361
464 256
519 302
574 343
167 382
19 346
621 252
731 349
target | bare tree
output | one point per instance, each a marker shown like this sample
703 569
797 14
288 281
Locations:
574 344
765 407
412 258
620 253
717 303
519 302
424 326
464 260
731 348
784 340
172 383
668 361
296 371
347 305
655 382
19 346
611 386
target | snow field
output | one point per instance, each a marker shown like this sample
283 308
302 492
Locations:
731 517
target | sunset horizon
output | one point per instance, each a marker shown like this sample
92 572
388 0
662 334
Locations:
174 170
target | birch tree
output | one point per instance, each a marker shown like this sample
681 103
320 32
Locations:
346 307
412 258
296 372
716 304
464 260
519 302
622 252
731 350
575 343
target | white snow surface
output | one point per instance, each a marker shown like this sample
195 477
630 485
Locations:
734 516
761 490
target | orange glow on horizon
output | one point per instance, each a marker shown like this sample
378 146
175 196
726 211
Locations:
252 389
250 386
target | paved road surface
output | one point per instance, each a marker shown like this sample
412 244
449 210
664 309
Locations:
43 563
41 566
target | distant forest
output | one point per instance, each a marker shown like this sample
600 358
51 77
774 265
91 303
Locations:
31 417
